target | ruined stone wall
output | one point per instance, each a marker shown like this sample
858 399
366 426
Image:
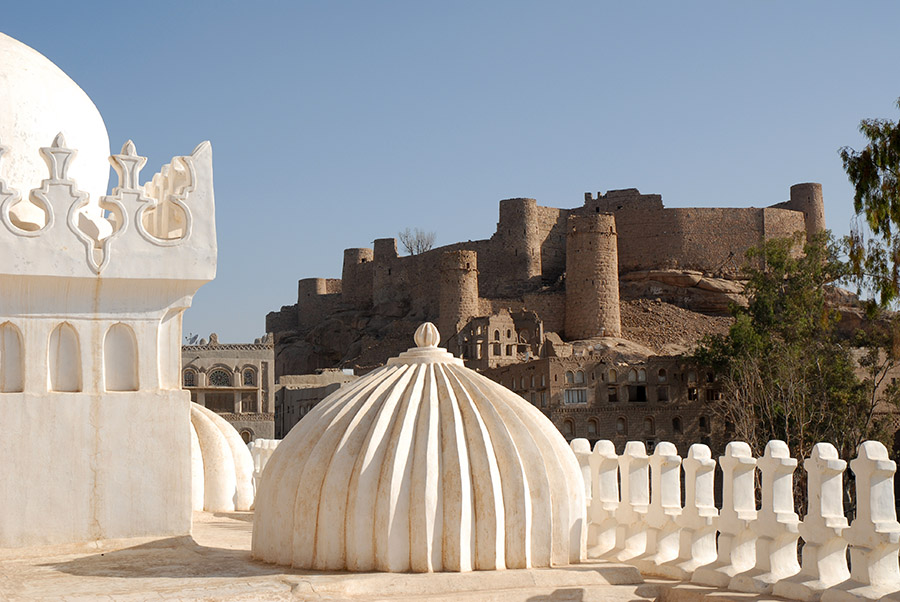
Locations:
592 277
316 299
283 319
551 307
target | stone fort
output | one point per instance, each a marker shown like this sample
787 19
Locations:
564 269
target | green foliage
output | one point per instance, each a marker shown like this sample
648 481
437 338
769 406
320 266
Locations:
875 175
786 372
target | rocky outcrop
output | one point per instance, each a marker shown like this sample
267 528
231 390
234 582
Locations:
687 289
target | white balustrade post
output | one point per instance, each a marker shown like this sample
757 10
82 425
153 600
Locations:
874 535
634 475
582 450
737 540
665 506
776 524
697 541
824 550
604 466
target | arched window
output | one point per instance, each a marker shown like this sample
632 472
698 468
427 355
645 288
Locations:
523 382
642 376
676 425
190 378
632 375
249 377
592 427
568 428
661 376
219 378
247 435
509 334
570 377
704 424
496 335
622 425
579 378
532 381
613 376
65 359
11 359
120 359
649 426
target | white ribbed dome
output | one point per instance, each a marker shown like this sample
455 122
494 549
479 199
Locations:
421 465
38 101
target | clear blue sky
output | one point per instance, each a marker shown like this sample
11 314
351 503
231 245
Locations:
335 123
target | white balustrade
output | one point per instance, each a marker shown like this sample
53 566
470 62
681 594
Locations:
757 550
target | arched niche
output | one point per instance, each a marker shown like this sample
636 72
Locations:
64 359
120 359
12 361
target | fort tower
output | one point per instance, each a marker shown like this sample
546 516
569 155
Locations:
459 290
592 277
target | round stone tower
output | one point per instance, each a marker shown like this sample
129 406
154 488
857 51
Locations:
459 290
807 198
592 277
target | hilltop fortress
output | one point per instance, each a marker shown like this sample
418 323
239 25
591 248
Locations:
545 270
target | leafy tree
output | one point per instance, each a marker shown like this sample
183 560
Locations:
417 241
874 244
786 372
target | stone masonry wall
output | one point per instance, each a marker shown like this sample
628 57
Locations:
592 277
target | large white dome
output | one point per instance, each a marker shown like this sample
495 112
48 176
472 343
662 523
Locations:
422 465
38 101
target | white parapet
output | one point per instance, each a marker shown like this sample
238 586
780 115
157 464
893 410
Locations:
741 547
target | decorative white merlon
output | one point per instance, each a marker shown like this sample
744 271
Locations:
604 499
737 539
634 476
663 535
874 535
697 545
824 550
776 524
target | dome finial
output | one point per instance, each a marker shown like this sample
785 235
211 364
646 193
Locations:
427 335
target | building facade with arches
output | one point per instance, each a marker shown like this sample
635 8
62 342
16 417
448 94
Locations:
235 380
604 396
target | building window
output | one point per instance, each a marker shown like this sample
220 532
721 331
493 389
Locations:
661 376
570 377
621 426
612 394
692 394
190 378
676 425
495 348
576 395
651 445
692 376
543 399
592 427
704 424
713 395
523 382
637 393
219 378
710 377
509 334
649 426
249 377
533 398
509 350
568 428
632 375
579 378
543 380
642 376
496 335
613 376
662 393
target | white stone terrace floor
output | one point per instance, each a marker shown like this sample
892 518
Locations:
216 565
